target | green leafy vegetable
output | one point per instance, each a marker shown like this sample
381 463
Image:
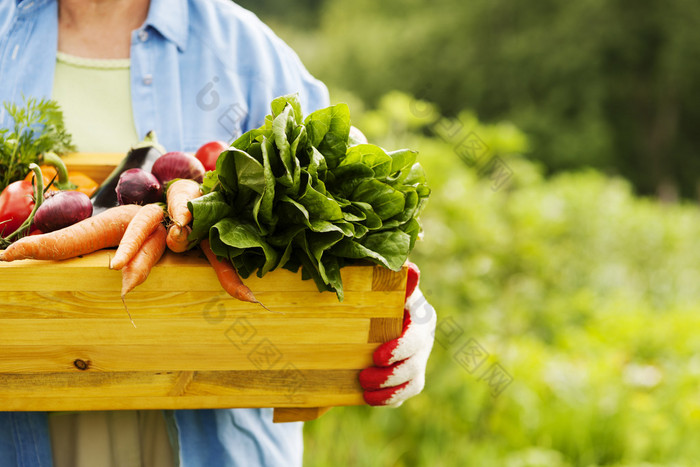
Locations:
295 193
38 128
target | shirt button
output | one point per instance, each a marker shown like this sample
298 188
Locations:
143 35
147 80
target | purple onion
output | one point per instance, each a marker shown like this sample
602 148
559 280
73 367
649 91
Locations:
136 186
61 209
178 165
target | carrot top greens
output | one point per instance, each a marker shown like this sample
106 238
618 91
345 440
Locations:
37 128
297 193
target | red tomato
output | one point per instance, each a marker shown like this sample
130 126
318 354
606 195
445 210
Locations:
208 153
16 204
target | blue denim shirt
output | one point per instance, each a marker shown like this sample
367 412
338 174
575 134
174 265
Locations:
201 70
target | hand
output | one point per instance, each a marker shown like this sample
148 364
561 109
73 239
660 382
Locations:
399 371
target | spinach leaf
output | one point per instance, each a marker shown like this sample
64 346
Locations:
295 193
385 200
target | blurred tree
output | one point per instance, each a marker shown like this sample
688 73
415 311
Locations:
609 84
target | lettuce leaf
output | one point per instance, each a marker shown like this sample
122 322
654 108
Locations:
296 193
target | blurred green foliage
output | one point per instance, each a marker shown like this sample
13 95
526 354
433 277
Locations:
606 84
585 294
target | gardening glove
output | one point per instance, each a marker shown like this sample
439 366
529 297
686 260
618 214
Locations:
399 371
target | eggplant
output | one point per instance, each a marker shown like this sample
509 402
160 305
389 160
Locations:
140 156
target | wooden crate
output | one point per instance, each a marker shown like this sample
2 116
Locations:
66 342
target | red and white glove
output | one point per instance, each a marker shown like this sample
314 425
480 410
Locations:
399 371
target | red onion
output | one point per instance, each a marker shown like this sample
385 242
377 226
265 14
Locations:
178 165
61 209
136 186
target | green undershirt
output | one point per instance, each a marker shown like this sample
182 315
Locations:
95 96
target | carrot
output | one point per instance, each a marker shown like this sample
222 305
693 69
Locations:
228 277
140 227
136 271
177 238
179 193
94 233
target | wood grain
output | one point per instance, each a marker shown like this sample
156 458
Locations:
298 414
178 390
387 280
210 306
36 275
258 354
384 329
282 330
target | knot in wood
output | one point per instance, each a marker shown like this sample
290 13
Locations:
81 365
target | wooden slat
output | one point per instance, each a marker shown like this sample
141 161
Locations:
282 330
242 400
386 279
97 391
261 355
209 306
298 414
384 329
35 275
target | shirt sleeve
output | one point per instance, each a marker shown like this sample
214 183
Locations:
7 11
291 77
312 92
273 68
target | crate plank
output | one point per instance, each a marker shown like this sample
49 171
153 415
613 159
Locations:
262 355
42 276
246 399
201 389
183 331
209 306
298 414
384 329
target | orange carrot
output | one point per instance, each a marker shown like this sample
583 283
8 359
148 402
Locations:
179 193
228 277
136 271
94 233
177 238
140 227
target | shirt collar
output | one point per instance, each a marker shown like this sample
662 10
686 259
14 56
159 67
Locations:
170 19
26 6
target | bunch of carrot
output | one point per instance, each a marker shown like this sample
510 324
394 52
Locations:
140 234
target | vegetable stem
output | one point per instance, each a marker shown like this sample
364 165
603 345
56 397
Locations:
63 183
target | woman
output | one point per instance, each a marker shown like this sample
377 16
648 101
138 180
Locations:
193 71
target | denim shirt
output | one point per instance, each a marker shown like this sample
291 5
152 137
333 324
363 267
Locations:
201 70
